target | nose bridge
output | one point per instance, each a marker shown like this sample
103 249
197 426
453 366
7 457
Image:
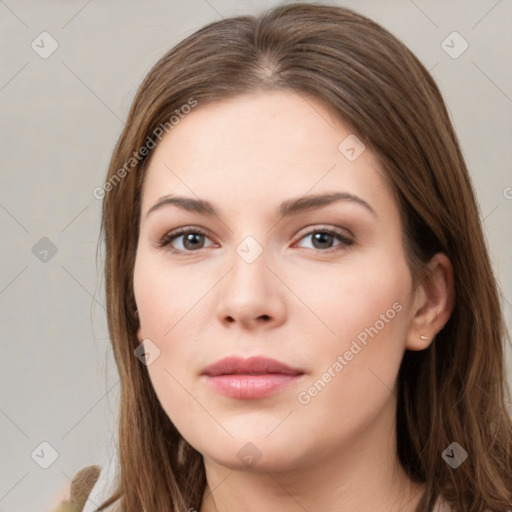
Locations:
249 275
250 291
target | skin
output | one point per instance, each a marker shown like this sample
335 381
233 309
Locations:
296 303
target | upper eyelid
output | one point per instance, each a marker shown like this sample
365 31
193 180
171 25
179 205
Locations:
324 227
302 232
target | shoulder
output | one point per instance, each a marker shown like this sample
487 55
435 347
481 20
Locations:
104 486
75 496
441 505
91 486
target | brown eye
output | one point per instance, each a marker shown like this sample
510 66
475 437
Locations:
191 240
323 239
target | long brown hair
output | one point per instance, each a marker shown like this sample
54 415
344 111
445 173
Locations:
453 391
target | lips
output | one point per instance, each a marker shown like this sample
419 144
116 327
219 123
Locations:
251 366
253 378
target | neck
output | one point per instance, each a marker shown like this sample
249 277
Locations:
363 475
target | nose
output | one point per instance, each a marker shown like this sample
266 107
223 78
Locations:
251 295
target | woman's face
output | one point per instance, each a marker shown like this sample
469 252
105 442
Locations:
321 286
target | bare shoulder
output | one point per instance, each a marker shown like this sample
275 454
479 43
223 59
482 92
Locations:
74 496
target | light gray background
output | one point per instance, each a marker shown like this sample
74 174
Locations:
61 117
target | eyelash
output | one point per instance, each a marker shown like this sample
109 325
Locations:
170 237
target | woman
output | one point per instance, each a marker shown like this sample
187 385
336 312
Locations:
300 298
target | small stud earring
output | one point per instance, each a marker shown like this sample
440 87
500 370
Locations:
424 338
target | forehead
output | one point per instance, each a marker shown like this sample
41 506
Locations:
265 145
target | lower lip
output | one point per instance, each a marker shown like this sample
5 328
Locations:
250 387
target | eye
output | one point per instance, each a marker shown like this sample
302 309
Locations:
322 239
192 240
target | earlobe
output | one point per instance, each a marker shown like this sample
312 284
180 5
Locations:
434 304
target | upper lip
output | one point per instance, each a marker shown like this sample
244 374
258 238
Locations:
253 365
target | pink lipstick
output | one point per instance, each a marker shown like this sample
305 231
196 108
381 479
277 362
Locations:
250 379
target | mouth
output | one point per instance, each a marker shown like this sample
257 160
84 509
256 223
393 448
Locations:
250 379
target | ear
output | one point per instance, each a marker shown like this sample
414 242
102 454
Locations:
433 304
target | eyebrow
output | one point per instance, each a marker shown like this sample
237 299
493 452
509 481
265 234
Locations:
287 208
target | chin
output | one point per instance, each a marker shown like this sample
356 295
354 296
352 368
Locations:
252 461
254 453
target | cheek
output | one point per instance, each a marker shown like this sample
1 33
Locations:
356 301
361 339
167 299
171 318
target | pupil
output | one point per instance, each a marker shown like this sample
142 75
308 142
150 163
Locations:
321 237
190 238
